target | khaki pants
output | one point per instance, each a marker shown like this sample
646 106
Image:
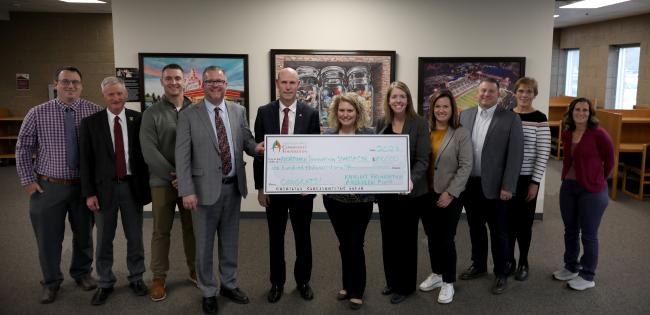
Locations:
163 204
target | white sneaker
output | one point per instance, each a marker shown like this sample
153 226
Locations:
564 274
446 293
431 282
580 284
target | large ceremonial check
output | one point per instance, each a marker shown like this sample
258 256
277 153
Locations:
336 164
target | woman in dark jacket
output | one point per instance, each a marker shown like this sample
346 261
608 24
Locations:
399 213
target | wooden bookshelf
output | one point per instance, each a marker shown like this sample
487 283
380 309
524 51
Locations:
9 128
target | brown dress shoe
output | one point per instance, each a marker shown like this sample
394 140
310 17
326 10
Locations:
192 277
87 282
157 292
49 295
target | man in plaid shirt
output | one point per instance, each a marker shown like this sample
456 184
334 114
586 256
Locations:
50 131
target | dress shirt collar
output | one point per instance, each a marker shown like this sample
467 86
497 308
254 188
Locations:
489 111
74 105
122 115
210 107
292 108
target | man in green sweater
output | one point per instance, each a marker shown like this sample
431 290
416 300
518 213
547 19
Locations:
158 140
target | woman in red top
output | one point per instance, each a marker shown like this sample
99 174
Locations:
588 161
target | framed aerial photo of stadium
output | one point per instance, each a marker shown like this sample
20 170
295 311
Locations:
462 76
151 64
326 73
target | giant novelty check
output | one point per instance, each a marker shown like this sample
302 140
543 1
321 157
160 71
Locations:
336 164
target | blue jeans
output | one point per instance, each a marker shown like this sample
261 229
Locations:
582 212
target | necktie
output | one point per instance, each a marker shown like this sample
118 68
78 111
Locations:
285 122
120 159
224 147
71 145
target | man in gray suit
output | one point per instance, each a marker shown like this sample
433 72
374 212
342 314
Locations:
497 141
210 139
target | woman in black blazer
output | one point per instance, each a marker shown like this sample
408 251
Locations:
350 214
399 213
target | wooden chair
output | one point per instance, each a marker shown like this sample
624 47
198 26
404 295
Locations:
557 106
639 171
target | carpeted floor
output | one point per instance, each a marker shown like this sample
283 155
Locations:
622 281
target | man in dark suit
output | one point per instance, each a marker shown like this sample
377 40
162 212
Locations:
497 141
210 140
286 116
114 176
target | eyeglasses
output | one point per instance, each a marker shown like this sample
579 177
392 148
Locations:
214 82
66 82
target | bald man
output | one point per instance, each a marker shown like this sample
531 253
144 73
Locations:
286 116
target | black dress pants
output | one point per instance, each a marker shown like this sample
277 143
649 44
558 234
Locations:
299 210
350 221
440 226
521 217
493 212
399 217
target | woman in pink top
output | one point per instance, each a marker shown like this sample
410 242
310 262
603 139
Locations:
588 161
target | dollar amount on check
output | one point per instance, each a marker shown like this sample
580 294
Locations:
336 164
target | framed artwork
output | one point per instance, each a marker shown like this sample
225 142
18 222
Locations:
462 76
326 73
151 64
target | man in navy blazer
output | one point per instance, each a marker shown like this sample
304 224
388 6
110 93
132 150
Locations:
497 141
114 176
286 116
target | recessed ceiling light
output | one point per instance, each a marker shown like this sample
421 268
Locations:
84 1
556 15
591 4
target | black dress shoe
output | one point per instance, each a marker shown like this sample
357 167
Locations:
86 282
275 293
139 288
522 273
387 290
210 305
236 295
342 296
49 295
101 295
500 285
472 273
306 291
397 298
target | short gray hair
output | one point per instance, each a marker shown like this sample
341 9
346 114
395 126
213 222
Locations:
111 81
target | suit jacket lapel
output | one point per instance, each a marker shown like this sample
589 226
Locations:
299 124
406 130
495 121
130 129
106 132
204 117
472 118
233 121
275 122
445 142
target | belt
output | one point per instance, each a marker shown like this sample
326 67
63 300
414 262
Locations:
123 179
228 180
61 181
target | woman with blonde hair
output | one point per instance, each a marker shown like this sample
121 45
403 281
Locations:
351 213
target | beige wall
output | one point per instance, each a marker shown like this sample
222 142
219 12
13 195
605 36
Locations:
594 41
413 28
39 43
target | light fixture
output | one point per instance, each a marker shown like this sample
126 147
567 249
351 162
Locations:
84 1
556 16
591 4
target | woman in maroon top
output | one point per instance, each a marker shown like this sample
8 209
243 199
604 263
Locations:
588 161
